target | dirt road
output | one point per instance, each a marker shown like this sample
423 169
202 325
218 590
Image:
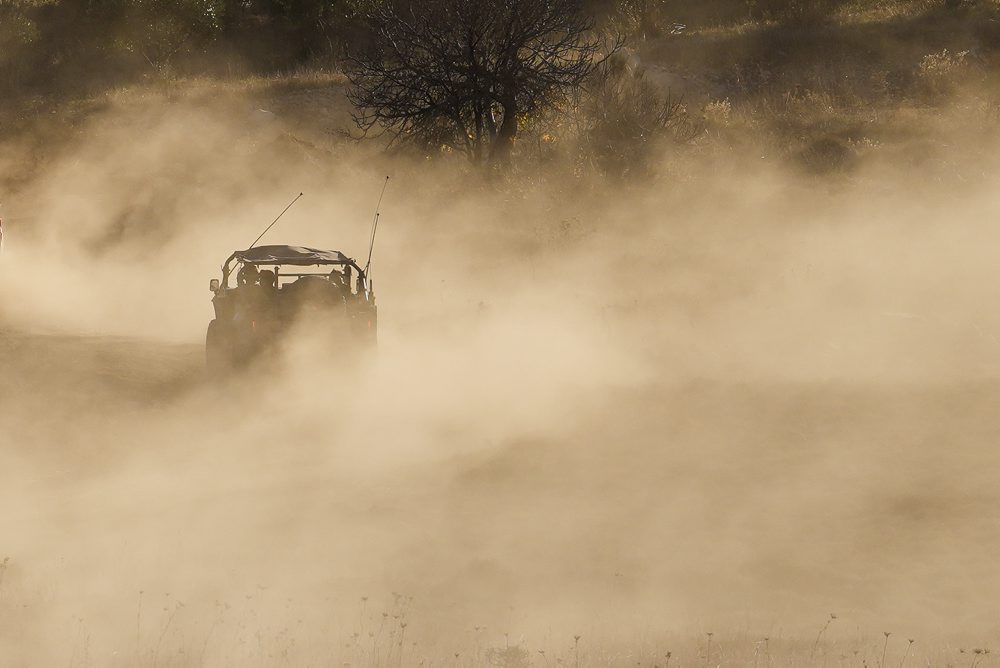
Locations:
691 503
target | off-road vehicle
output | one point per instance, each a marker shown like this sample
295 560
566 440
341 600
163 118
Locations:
267 290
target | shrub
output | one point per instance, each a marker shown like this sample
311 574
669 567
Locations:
625 118
718 113
508 657
940 73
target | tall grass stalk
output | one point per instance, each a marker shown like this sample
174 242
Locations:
906 654
885 646
819 636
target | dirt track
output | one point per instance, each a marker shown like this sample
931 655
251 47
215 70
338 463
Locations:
751 498
96 368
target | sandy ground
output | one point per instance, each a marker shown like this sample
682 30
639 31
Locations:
733 403
638 511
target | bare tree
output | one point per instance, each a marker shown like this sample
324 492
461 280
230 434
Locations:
465 73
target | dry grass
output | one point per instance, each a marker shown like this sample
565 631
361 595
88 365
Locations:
262 631
828 95
880 11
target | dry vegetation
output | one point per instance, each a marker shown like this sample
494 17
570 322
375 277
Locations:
826 86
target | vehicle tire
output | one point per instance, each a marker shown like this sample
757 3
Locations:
218 350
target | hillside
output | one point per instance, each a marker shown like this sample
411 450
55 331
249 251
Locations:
826 87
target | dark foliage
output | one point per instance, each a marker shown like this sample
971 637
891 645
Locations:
73 45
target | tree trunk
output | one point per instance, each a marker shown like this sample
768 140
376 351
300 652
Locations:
504 144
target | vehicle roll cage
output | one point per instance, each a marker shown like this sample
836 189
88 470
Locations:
235 261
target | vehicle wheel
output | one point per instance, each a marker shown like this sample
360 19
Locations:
218 351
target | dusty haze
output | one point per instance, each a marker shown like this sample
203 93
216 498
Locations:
734 401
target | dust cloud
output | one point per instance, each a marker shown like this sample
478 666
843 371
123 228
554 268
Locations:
635 413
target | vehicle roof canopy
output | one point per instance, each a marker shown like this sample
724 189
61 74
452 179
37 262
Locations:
298 256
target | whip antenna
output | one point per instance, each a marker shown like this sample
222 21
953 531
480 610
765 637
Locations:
273 222
371 243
